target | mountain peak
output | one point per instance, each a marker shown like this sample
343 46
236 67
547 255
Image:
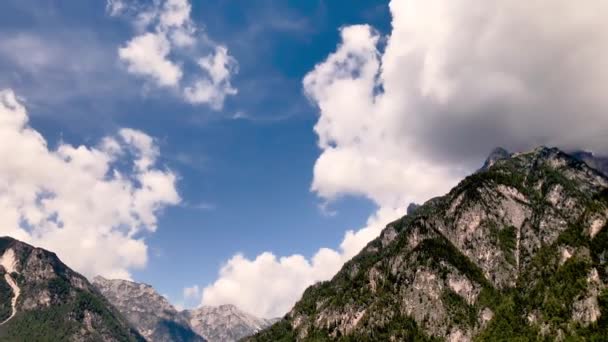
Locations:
516 251
497 154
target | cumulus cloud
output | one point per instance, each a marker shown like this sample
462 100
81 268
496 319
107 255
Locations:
455 79
364 150
170 51
269 285
403 117
91 205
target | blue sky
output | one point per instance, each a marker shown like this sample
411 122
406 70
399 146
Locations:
244 182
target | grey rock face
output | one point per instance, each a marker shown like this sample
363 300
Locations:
225 323
149 312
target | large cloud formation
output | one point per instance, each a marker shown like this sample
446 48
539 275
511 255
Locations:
167 42
403 117
90 205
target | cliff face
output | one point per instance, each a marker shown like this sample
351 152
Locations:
42 299
516 250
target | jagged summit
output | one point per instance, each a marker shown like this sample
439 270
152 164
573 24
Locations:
517 250
497 154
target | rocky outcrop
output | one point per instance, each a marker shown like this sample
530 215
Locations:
517 251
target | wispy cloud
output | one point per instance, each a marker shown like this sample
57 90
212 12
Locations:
204 206
45 67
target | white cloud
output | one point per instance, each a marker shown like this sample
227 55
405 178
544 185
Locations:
147 55
167 48
192 292
175 13
115 7
364 149
43 65
74 200
269 285
213 90
403 119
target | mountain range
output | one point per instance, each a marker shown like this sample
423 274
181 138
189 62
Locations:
516 251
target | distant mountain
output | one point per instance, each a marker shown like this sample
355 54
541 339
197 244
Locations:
516 252
225 323
158 321
41 299
149 312
597 162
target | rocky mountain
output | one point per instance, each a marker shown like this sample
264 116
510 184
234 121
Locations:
41 299
225 323
149 312
159 321
516 251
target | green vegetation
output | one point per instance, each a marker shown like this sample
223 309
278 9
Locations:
399 328
461 312
508 323
507 242
61 322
